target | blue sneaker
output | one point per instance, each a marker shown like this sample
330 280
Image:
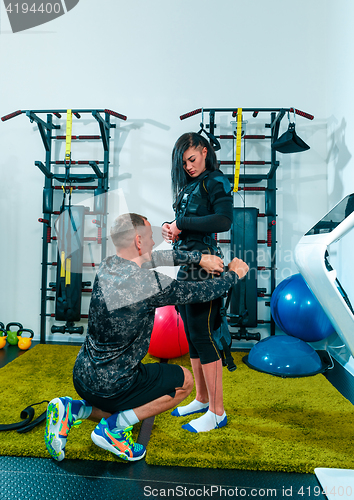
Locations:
62 414
120 443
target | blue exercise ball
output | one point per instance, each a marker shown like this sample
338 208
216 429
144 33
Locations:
297 312
284 356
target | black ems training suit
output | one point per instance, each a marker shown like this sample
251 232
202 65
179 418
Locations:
203 208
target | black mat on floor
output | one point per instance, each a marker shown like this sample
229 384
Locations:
38 478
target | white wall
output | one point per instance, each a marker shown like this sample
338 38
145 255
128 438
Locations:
154 61
340 120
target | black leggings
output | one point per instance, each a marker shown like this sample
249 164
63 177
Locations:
199 320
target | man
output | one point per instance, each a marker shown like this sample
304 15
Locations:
117 389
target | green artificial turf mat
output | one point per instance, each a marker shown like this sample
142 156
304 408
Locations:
274 424
44 372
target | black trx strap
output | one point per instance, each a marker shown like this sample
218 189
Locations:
26 424
241 312
229 360
64 261
224 342
223 339
69 274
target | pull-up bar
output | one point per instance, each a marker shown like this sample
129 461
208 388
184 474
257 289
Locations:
76 162
284 110
244 137
58 112
78 137
255 111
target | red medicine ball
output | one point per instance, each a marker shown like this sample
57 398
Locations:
168 338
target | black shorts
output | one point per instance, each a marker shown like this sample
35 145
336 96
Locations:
154 381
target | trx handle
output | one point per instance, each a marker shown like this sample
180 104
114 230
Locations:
229 360
213 140
238 149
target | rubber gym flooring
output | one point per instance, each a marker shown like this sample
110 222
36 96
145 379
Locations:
23 478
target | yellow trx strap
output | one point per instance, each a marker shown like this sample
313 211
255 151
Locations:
68 272
69 127
65 268
62 267
238 149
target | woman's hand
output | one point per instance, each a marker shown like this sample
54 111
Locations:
212 264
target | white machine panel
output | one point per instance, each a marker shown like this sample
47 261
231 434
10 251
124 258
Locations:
311 257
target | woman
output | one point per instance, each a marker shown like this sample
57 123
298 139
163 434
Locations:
203 206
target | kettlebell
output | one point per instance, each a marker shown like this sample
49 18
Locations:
12 335
24 342
2 335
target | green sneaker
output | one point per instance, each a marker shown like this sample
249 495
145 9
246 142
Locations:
62 414
120 443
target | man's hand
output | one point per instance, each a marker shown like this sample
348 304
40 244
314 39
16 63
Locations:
166 232
239 267
170 232
174 231
212 264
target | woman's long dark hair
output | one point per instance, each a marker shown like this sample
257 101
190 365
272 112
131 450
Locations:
179 176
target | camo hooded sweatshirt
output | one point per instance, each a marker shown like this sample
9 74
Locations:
121 316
